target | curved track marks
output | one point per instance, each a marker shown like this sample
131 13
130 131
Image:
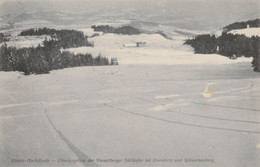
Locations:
73 148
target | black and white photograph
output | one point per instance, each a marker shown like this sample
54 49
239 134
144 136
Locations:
129 83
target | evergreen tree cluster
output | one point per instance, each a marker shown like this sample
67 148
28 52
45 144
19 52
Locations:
103 28
229 45
256 58
124 30
42 59
242 25
1 37
226 45
205 44
66 38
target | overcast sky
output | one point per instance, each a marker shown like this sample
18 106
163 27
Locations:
213 12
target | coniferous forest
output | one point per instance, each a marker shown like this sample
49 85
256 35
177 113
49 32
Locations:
1 37
66 38
229 45
241 25
124 30
42 59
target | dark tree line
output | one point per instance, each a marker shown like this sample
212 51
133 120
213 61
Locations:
103 28
205 44
1 37
228 45
66 38
242 25
125 30
42 59
256 60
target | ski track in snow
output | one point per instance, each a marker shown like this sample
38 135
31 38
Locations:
35 103
81 155
167 107
183 123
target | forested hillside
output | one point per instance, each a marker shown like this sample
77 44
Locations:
230 45
242 25
66 38
42 59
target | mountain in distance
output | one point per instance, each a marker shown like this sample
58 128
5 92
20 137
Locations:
199 15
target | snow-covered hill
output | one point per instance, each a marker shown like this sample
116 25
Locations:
157 50
131 111
249 32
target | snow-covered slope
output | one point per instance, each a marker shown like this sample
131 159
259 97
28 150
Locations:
135 111
249 32
157 50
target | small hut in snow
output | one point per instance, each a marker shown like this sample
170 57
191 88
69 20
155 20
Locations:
135 44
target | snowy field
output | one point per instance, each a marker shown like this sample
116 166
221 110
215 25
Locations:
157 50
162 103
163 106
132 111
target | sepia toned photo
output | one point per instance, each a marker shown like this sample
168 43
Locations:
129 83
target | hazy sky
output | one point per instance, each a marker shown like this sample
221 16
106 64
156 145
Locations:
196 12
197 4
152 1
